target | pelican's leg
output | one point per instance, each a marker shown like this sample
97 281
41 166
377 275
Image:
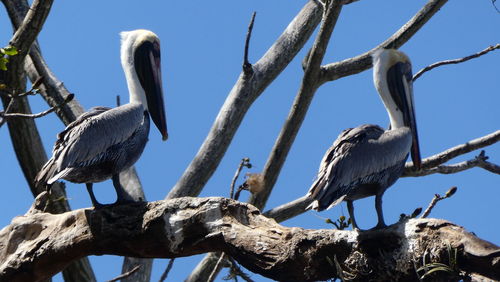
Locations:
121 195
95 203
380 214
350 209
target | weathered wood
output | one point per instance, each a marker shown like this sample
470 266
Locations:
41 244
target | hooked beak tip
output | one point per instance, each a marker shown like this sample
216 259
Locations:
164 136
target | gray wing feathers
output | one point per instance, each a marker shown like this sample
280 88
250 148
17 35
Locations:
89 136
356 155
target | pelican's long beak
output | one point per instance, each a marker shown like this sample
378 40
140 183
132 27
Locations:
400 83
147 65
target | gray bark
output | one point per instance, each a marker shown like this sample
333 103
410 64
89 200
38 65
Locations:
42 244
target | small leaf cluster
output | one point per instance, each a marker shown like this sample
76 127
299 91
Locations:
5 53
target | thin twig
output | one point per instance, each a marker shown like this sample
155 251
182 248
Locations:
244 162
126 274
44 113
436 199
216 269
455 61
247 67
478 161
33 90
238 192
167 270
451 153
494 5
354 65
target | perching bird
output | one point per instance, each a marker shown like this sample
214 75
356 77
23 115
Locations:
366 160
103 142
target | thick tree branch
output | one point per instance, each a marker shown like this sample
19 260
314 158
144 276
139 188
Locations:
363 62
455 61
241 97
55 93
26 33
26 140
300 105
438 159
292 125
41 244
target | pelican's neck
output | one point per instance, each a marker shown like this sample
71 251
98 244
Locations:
136 92
380 81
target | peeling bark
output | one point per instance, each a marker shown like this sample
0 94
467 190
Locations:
37 245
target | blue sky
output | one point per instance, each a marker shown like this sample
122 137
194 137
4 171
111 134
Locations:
202 49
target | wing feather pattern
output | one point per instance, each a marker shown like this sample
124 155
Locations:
358 156
89 136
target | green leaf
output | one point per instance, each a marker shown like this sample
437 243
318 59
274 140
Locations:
3 63
10 50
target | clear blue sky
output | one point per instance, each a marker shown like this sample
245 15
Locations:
202 48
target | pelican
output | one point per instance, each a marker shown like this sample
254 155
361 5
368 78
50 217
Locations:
366 160
103 142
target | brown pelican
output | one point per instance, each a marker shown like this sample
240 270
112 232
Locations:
105 141
366 160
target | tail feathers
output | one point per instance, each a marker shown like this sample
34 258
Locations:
45 177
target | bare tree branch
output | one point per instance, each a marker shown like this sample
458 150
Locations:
26 140
436 199
438 159
363 62
54 92
40 245
8 115
241 97
26 33
289 210
489 166
167 270
296 116
478 161
126 274
247 66
455 61
245 162
300 105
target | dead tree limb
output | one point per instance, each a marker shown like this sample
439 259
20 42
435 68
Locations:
298 111
455 61
55 93
41 244
246 90
363 62
478 161
292 125
7 115
438 159
24 134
